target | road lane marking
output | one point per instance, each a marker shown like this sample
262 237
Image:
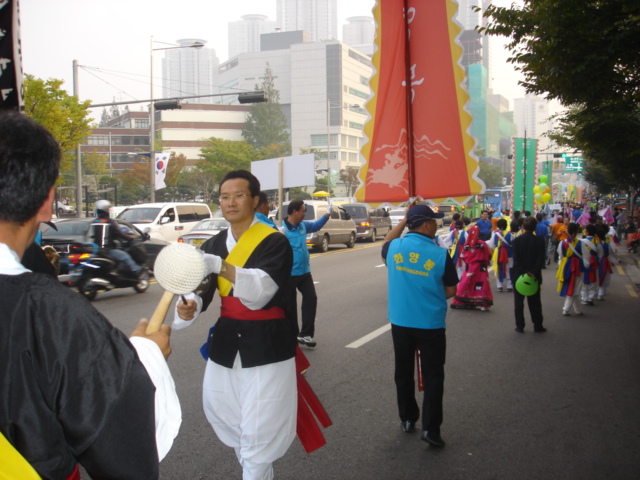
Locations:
370 336
380 266
620 269
631 290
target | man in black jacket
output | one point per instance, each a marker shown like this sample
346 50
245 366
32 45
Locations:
528 257
74 390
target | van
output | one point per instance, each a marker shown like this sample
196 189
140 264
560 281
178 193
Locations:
370 222
448 211
340 228
166 221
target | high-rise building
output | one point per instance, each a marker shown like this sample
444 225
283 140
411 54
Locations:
359 33
317 17
323 87
189 71
531 114
244 35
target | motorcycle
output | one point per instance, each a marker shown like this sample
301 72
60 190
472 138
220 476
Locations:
93 270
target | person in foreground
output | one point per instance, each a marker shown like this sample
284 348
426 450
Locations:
421 277
75 389
249 389
529 253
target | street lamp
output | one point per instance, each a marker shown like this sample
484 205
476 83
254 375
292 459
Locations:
152 121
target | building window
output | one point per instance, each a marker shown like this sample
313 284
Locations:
142 123
98 140
358 93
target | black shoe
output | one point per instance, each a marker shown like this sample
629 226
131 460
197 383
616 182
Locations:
520 329
433 439
408 426
539 329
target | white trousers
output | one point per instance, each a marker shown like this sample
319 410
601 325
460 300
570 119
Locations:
253 410
572 301
590 291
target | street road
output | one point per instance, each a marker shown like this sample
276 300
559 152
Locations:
559 405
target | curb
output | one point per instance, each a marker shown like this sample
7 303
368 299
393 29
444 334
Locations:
630 262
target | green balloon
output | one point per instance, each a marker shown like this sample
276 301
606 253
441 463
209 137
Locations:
527 285
543 179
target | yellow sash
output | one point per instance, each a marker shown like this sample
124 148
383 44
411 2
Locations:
13 465
243 249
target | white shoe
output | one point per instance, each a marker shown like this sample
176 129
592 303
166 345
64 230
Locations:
600 297
565 313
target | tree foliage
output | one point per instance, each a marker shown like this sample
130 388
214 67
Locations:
581 52
95 165
266 126
576 51
60 113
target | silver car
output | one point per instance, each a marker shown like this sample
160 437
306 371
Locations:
203 231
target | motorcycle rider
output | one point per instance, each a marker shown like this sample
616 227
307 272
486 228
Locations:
111 237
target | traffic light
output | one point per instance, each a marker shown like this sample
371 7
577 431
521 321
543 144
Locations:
167 105
252 97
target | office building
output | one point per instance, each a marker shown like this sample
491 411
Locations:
359 33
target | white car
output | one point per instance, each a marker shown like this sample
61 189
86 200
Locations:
62 209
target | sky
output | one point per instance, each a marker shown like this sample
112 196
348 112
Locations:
111 40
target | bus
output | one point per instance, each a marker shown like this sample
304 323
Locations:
498 199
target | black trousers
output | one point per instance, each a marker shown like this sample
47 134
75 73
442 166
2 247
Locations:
433 348
535 308
304 284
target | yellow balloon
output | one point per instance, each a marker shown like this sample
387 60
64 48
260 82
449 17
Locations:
538 197
546 197
536 189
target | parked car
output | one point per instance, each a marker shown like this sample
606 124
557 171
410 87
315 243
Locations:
448 211
166 221
370 222
77 230
62 209
203 231
339 229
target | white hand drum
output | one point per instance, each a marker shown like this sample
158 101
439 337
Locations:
179 269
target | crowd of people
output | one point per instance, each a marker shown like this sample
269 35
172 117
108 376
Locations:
583 252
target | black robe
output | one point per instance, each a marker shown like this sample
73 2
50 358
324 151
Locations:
260 342
72 389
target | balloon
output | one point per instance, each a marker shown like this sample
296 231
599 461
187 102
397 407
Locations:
543 179
546 190
526 285
546 197
538 197
543 187
536 189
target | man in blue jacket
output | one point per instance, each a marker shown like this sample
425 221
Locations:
296 229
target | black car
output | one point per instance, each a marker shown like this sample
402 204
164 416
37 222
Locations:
77 230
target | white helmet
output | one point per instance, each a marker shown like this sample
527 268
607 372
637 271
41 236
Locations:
102 206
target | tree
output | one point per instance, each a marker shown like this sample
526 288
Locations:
349 176
266 125
60 113
222 156
576 51
95 165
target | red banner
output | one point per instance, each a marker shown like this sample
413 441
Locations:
419 143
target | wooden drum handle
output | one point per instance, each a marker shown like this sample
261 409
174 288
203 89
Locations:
157 319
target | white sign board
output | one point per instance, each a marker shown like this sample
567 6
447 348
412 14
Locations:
298 171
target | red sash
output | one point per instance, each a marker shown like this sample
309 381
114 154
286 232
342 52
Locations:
309 405
232 307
